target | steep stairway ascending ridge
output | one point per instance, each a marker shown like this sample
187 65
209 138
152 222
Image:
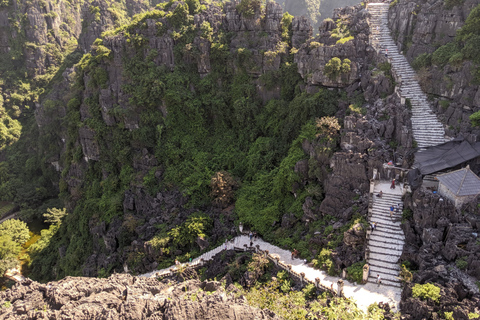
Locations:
385 243
427 130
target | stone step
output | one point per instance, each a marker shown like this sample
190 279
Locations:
394 248
384 251
374 270
381 238
389 273
385 283
383 264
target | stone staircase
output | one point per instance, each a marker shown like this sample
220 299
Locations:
427 130
385 244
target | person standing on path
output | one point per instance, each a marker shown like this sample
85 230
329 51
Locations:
391 211
397 210
379 280
250 235
392 186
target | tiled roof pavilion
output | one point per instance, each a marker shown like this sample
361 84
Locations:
461 182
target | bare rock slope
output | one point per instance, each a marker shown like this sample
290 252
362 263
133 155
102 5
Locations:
124 297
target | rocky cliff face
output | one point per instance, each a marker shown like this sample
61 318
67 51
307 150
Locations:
442 247
123 296
103 113
420 28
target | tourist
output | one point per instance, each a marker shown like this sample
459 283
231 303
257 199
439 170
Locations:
255 235
250 235
391 211
386 53
397 210
177 263
251 243
374 226
380 194
293 254
393 184
379 280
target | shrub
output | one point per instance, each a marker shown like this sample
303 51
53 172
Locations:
197 225
452 3
247 8
475 119
16 230
405 274
54 215
448 315
422 61
461 263
355 272
444 104
324 261
344 40
442 55
471 26
335 67
287 27
426 291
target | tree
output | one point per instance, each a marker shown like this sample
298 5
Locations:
54 215
16 230
8 248
223 188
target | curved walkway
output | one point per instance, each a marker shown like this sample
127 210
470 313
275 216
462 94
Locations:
427 130
364 295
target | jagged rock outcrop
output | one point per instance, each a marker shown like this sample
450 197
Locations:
441 245
420 27
124 297
314 55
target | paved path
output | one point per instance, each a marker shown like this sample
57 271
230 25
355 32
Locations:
385 243
364 295
427 130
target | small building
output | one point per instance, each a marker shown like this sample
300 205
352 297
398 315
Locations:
460 186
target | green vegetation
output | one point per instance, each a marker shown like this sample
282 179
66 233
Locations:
355 272
341 32
336 67
275 294
475 119
449 4
13 233
466 46
286 25
461 263
248 8
218 144
426 291
422 61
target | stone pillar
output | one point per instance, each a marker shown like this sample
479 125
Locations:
340 288
366 272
